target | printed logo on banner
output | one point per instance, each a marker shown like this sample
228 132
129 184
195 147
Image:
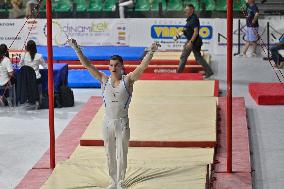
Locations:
165 31
121 34
32 24
206 32
169 31
32 27
58 34
61 31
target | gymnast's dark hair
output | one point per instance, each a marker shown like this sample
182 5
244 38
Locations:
3 51
31 48
117 57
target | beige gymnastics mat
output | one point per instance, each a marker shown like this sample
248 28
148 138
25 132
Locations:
148 168
174 119
161 88
175 55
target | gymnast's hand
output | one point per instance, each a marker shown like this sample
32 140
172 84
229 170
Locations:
73 43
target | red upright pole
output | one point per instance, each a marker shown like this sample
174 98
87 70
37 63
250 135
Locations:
229 83
50 83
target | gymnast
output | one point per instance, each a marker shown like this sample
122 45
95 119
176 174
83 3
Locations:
116 91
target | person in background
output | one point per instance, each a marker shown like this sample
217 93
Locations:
30 6
122 4
17 10
252 14
193 43
276 57
6 73
35 60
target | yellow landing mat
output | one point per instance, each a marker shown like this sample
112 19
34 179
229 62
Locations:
176 56
148 168
143 88
170 118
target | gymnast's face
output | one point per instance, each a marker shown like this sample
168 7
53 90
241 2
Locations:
115 67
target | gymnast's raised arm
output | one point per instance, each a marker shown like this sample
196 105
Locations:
85 62
134 76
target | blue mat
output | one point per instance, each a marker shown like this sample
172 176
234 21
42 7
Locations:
94 53
83 79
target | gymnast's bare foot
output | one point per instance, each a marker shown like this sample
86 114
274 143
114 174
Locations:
121 185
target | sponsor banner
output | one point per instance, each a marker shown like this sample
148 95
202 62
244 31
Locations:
142 32
133 32
213 32
12 33
88 32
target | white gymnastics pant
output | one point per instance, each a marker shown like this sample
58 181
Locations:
121 7
116 137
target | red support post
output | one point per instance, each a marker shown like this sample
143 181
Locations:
50 83
229 83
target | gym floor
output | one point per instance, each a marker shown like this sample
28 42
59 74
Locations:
24 134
